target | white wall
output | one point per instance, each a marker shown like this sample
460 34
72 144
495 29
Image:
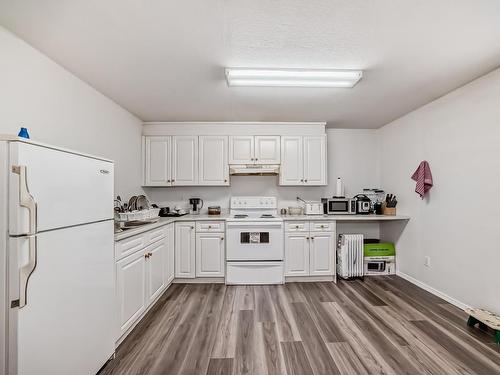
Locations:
458 224
60 109
352 155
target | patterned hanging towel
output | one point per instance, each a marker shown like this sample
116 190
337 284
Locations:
423 177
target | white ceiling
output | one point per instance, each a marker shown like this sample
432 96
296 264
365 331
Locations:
163 60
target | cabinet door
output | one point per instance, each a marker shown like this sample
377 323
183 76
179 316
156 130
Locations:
130 289
185 250
315 160
155 265
292 161
210 255
321 254
184 160
213 163
296 254
267 149
157 151
169 254
241 149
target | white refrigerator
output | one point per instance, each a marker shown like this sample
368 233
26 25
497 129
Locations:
56 259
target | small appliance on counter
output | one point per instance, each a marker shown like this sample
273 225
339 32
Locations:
363 204
196 205
312 207
214 210
165 212
340 206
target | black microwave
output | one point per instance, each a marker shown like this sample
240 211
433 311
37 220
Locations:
341 206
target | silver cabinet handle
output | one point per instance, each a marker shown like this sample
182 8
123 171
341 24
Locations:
26 271
25 198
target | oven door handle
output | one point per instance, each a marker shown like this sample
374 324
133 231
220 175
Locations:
255 225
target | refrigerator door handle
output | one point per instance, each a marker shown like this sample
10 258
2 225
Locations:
26 271
25 198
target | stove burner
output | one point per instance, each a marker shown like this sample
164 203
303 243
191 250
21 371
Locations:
240 216
266 216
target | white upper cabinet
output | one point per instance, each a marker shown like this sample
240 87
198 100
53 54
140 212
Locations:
292 160
213 160
267 149
303 160
157 153
184 160
315 160
241 149
249 149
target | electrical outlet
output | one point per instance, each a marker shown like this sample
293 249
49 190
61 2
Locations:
427 261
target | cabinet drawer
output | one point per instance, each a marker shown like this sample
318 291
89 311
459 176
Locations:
210 226
130 245
297 226
322 226
155 235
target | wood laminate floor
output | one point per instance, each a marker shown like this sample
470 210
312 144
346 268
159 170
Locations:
382 325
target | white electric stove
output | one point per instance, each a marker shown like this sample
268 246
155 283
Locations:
255 241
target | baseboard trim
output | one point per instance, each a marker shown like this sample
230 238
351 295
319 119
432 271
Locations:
430 289
307 279
200 280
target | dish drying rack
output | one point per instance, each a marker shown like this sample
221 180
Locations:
136 212
137 215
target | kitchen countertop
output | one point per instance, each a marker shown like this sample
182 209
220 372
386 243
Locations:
167 220
225 214
345 217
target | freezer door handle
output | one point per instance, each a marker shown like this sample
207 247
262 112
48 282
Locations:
25 273
25 198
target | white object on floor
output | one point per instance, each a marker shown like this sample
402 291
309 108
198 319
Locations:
350 255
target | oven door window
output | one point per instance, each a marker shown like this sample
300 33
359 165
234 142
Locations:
341 206
254 237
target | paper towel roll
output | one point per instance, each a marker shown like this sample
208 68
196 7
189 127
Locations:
339 192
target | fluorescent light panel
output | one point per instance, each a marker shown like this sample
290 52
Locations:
292 77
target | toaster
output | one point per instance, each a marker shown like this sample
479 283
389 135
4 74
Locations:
312 207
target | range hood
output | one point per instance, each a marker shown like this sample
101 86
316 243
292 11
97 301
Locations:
254 170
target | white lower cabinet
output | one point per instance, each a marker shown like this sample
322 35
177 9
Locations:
169 253
310 252
141 277
185 249
130 289
297 254
210 254
155 270
322 246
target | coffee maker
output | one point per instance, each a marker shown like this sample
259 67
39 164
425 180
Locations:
196 205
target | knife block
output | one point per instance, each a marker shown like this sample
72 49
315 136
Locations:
391 211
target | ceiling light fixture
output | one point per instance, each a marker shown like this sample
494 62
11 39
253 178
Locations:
292 77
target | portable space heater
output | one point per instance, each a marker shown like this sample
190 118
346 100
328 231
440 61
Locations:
350 255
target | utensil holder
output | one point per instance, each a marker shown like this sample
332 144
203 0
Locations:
390 211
